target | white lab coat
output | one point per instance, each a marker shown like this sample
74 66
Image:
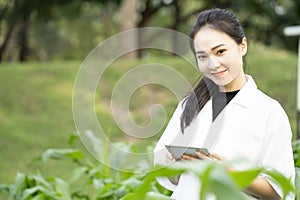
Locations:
254 127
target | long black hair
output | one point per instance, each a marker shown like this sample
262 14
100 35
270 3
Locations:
221 20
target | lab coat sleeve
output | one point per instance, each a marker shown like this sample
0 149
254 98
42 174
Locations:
278 153
160 151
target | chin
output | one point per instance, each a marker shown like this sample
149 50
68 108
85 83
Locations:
219 82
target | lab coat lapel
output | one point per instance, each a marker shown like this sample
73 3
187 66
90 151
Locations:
243 98
214 132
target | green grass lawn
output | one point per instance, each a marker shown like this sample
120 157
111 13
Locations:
35 111
36 102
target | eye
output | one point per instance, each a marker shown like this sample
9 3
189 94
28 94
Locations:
221 51
202 57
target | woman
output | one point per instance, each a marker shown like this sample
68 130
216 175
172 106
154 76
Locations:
251 125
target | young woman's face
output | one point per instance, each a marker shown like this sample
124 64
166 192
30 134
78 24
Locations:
220 58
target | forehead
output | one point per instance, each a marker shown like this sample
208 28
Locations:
208 38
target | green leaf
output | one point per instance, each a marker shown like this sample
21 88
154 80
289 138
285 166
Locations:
297 182
30 181
156 196
78 173
61 153
131 182
41 180
141 191
62 188
39 197
108 193
284 183
156 187
20 183
31 192
245 177
297 162
5 188
224 187
129 196
121 191
98 183
73 138
205 180
172 170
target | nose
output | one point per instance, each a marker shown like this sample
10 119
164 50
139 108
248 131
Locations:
213 63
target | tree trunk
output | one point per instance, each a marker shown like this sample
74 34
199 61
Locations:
5 41
23 41
128 21
176 17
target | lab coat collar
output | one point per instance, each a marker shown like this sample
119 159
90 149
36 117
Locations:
246 95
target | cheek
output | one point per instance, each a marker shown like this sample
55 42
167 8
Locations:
239 64
202 67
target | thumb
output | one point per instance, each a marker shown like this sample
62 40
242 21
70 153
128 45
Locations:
217 156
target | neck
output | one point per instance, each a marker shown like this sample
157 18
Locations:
236 84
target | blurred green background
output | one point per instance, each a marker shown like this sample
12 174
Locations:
42 45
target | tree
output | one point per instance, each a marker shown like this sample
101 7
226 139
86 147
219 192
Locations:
7 30
262 20
19 15
179 11
128 21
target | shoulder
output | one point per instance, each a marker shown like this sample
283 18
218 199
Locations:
268 101
270 106
261 104
269 113
261 98
265 99
250 96
274 111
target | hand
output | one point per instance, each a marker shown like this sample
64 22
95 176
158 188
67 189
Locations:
202 156
169 158
212 156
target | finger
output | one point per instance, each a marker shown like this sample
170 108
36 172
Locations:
170 157
202 156
187 157
217 157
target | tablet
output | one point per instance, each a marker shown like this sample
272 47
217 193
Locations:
178 151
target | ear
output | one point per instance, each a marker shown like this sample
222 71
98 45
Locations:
243 46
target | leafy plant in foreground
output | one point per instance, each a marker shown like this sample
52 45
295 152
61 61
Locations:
92 180
215 179
89 180
296 151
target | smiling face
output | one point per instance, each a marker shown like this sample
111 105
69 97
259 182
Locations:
220 58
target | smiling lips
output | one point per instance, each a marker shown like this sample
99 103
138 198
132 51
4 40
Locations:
218 74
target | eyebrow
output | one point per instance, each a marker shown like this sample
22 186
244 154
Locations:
211 48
